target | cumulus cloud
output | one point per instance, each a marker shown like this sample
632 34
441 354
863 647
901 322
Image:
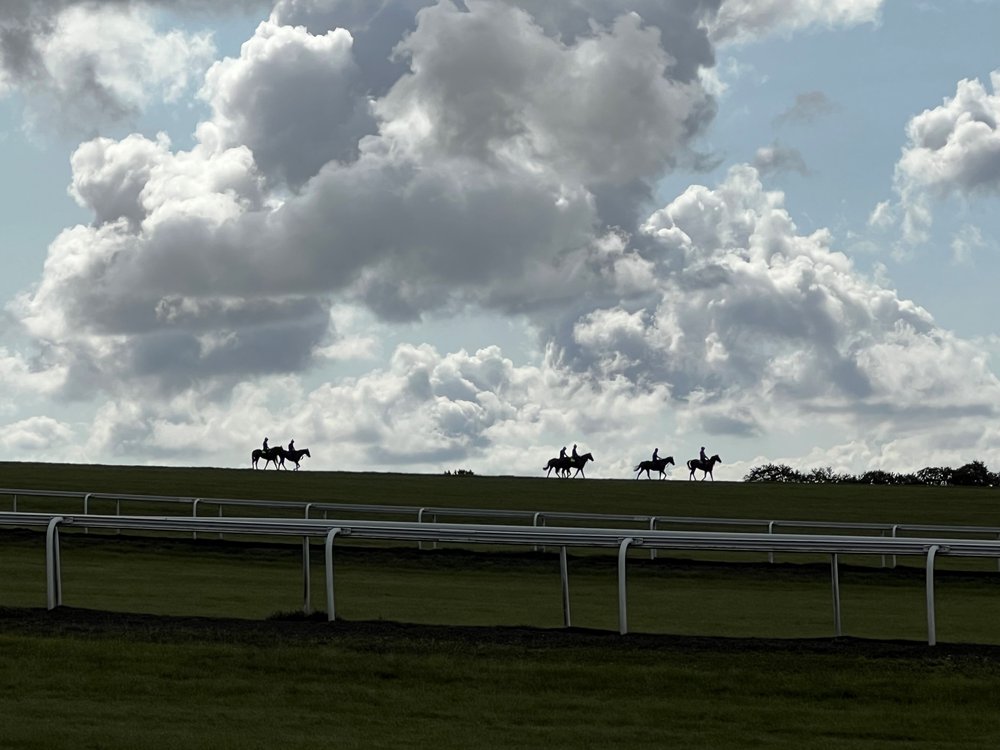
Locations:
751 323
951 150
490 156
424 410
745 20
484 182
82 65
35 435
296 100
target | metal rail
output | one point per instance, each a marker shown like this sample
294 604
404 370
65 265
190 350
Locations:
536 518
556 536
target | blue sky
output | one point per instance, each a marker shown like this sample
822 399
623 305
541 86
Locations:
766 227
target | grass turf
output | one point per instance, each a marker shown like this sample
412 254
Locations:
466 670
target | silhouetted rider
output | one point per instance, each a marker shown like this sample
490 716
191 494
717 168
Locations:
562 453
656 453
575 454
702 455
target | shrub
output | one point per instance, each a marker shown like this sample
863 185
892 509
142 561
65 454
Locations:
773 473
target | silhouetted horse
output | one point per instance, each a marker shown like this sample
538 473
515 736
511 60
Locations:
696 464
563 465
294 456
271 454
659 465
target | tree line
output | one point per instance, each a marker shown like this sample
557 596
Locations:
974 474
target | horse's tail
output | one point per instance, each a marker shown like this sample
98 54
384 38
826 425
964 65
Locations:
637 468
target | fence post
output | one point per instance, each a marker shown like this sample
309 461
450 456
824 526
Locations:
306 577
835 579
770 530
564 576
622 596
331 607
931 619
53 564
194 514
652 527
86 509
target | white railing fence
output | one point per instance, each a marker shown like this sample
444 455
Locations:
562 537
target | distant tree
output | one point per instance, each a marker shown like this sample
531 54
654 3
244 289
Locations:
973 474
878 476
935 475
772 473
826 475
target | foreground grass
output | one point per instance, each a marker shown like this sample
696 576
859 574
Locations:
484 661
133 682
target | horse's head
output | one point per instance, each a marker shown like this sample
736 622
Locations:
305 452
716 459
587 457
669 460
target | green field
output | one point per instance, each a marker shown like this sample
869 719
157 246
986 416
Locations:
190 644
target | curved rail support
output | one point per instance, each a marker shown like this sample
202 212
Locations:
194 514
770 530
622 597
420 519
331 607
53 564
86 508
835 585
564 577
534 523
306 578
652 527
308 506
895 528
931 619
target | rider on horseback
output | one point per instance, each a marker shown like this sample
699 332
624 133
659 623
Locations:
575 454
562 453
291 446
266 449
656 453
703 456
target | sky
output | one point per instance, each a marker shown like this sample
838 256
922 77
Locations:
421 236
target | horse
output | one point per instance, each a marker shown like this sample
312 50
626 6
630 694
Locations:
696 464
563 465
659 465
294 456
271 454
560 464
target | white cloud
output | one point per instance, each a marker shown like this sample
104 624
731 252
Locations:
744 20
951 150
294 99
89 65
502 161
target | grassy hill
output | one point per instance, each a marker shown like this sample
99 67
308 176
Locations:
177 643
